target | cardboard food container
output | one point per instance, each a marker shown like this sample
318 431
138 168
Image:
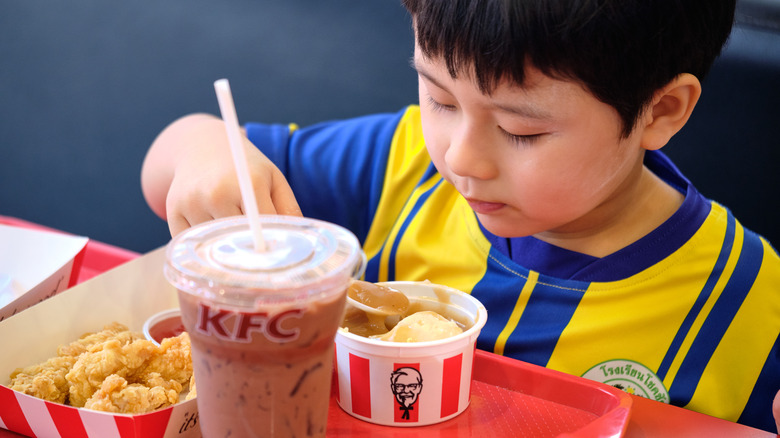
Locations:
411 383
129 294
36 265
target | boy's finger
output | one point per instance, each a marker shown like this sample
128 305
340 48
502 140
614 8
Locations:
265 203
225 209
283 198
177 224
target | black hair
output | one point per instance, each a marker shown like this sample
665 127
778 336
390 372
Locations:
622 51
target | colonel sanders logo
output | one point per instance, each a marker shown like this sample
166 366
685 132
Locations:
406 384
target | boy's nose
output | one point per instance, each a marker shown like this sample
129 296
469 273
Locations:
468 155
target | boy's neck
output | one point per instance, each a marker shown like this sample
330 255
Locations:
642 206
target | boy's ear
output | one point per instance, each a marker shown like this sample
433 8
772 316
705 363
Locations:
669 111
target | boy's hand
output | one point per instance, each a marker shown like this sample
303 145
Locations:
189 176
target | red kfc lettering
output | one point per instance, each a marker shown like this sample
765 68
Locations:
212 323
275 331
250 321
270 327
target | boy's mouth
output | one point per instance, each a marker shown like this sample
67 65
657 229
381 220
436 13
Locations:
484 207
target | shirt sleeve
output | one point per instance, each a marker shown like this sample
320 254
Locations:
336 169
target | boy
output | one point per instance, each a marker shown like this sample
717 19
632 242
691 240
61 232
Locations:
539 188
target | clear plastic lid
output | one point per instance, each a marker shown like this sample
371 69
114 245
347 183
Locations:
305 258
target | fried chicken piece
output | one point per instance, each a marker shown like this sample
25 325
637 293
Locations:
103 360
114 330
45 380
173 363
113 370
193 391
116 395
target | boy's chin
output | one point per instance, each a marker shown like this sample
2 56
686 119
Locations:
504 228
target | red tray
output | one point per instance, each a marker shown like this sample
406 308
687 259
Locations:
98 257
510 398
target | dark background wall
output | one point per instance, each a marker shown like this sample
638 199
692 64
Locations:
86 86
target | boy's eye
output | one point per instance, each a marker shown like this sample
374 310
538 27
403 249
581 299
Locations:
526 139
436 106
522 139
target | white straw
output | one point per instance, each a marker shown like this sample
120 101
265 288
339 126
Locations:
228 110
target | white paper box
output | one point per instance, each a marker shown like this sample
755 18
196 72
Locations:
128 294
35 265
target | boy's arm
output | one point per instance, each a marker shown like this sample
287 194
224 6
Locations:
336 168
188 175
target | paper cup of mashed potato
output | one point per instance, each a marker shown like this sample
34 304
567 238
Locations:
412 372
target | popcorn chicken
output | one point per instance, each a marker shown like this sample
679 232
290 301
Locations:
173 362
103 360
116 395
46 380
112 370
114 330
193 390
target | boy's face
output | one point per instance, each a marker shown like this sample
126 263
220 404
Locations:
543 159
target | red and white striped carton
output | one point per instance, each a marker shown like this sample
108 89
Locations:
128 294
410 383
34 417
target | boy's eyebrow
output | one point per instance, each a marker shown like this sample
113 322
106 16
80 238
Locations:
527 111
423 73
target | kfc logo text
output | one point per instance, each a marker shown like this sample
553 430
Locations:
239 326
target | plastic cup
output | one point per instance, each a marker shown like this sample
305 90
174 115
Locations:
411 383
262 324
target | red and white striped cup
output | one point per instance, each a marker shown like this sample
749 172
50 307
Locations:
411 383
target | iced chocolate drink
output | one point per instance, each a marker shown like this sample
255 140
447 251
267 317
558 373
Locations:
262 325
